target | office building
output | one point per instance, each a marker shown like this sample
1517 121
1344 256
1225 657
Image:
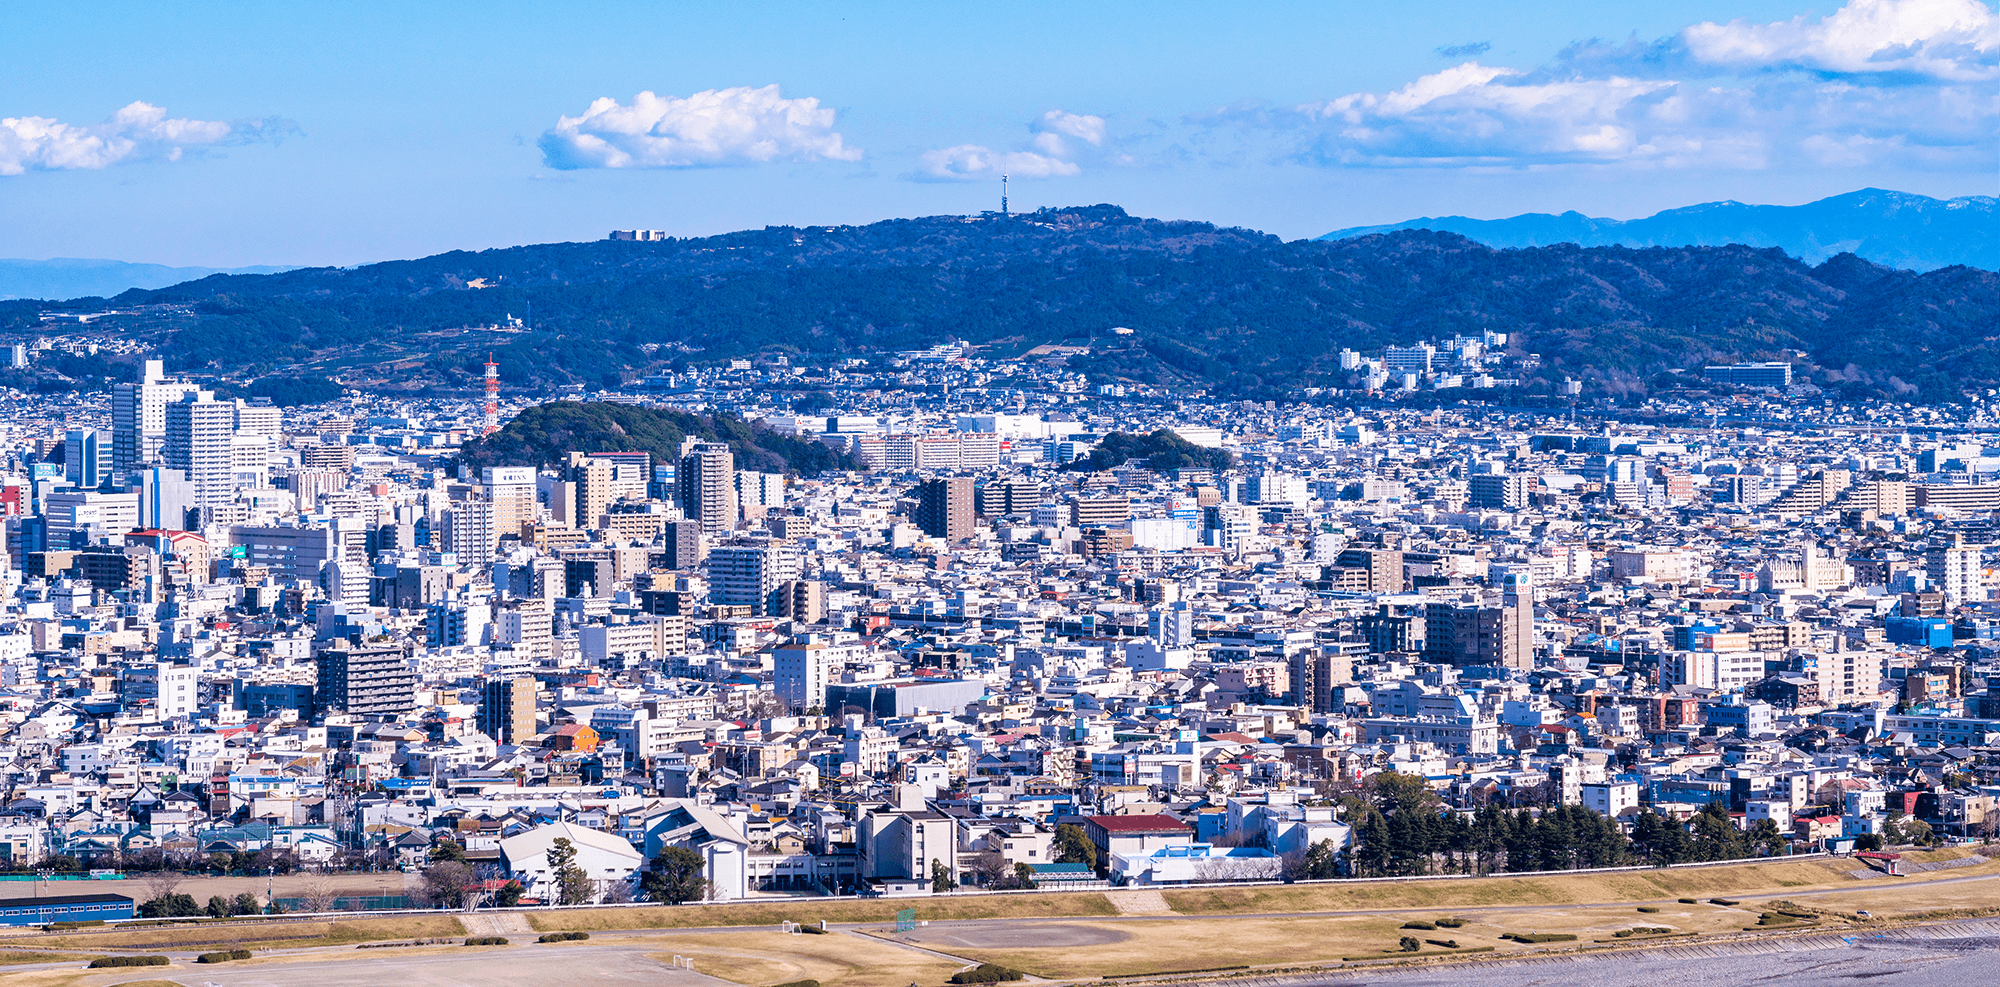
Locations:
749 575
945 507
86 457
507 709
364 681
139 416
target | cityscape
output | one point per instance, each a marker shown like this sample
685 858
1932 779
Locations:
1046 594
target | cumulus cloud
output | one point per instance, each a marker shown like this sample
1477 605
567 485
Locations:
1876 81
1955 40
138 132
1057 139
716 127
968 162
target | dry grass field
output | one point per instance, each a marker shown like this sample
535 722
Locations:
835 960
811 911
262 935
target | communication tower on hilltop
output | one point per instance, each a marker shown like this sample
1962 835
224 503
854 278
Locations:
492 397
1003 195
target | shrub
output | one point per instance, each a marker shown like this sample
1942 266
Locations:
812 930
1423 926
800 983
66 926
1647 908
1724 902
105 962
1410 944
1446 943
986 973
1533 937
1689 901
563 936
223 957
1643 930
1450 923
486 941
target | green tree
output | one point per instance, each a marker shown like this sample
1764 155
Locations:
1319 862
246 904
218 907
941 877
1766 838
446 849
172 905
509 894
1073 847
674 877
1024 875
572 885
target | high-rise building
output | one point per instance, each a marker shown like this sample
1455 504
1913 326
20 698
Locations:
164 498
707 478
802 600
471 531
592 479
139 415
362 681
1955 570
1498 491
945 507
511 489
198 443
1012 495
749 575
801 671
86 457
1384 567
685 544
507 709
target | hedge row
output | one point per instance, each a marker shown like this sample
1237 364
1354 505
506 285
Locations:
66 926
223 957
1643 930
800 983
1533 937
105 962
1450 923
561 937
986 973
486 941
1424 926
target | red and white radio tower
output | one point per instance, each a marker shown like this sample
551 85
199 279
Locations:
492 397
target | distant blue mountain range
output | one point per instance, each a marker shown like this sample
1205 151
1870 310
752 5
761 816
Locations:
71 277
1897 229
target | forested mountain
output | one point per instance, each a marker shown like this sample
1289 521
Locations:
1897 229
1232 311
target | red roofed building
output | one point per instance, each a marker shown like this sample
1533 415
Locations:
1135 836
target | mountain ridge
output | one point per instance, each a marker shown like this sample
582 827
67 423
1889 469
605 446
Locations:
83 277
1223 310
1896 229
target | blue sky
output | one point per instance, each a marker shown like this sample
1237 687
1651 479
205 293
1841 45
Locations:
222 134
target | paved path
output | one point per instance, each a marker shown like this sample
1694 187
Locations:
1142 902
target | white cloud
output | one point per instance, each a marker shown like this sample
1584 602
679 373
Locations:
1058 139
712 128
140 131
1876 82
1955 40
969 162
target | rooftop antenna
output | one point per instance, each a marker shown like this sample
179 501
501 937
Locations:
1003 194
